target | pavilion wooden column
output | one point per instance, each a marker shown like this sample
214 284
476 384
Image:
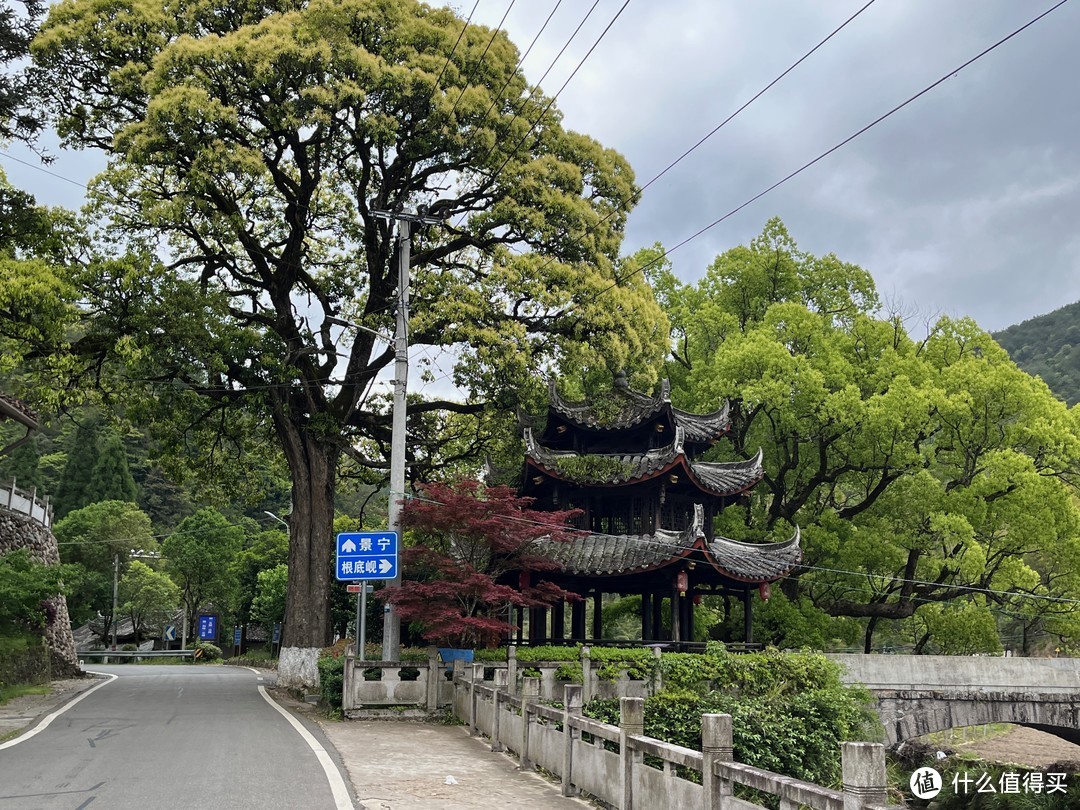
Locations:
577 620
657 615
748 616
520 622
558 621
690 616
646 617
676 632
538 618
598 615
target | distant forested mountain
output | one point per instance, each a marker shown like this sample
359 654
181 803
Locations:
1049 346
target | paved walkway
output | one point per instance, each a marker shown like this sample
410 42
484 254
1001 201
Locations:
405 766
392 765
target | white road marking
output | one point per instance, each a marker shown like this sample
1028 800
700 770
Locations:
44 724
337 784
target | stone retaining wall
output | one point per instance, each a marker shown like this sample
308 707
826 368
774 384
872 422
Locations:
18 531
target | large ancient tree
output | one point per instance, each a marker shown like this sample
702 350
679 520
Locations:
249 146
933 480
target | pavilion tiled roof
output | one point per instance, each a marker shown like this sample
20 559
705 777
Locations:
618 553
614 555
12 408
718 478
638 408
756 562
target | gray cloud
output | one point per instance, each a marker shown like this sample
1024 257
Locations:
963 203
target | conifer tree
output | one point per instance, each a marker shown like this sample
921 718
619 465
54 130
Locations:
111 480
78 472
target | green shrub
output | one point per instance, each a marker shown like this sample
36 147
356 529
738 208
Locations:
205 651
331 678
789 711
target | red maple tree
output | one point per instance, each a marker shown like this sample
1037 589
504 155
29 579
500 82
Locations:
467 540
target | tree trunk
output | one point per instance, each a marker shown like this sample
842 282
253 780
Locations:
868 642
313 471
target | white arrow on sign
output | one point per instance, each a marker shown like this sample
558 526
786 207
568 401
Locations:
384 566
348 547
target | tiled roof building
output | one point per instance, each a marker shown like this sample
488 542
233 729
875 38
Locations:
629 463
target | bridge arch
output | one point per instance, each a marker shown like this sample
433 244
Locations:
912 713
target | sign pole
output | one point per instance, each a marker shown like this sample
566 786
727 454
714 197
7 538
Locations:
361 621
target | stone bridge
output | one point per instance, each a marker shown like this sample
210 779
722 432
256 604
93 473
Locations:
921 694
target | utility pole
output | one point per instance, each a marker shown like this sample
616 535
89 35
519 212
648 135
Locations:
391 641
115 594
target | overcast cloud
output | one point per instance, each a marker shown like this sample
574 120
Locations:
964 203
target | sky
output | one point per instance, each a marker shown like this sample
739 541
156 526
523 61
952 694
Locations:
964 203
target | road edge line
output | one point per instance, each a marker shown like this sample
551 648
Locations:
44 724
338 788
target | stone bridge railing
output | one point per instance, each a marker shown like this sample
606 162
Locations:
598 759
921 694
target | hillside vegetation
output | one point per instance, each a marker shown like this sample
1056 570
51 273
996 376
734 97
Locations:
1049 347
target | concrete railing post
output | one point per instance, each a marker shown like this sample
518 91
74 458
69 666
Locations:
658 673
571 708
348 674
716 746
511 669
631 723
587 691
530 694
434 678
863 767
496 711
457 675
476 674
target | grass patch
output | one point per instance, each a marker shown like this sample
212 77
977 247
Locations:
19 689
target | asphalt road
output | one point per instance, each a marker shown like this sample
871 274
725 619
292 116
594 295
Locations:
172 736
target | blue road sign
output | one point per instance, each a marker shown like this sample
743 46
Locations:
277 634
237 636
207 628
170 633
367 555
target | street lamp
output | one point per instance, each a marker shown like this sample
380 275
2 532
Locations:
282 521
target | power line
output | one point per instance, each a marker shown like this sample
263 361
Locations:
511 152
10 156
449 56
476 67
822 156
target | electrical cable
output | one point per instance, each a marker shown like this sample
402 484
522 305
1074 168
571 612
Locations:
488 179
950 74
476 67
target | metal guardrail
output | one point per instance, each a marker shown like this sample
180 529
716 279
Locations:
136 654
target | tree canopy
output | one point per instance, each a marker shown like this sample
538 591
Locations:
922 471
252 147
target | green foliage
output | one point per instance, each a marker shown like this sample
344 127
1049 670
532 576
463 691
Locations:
547 653
789 711
147 597
268 606
331 665
207 651
78 472
111 478
1048 347
91 539
197 557
919 471
24 586
638 664
594 468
